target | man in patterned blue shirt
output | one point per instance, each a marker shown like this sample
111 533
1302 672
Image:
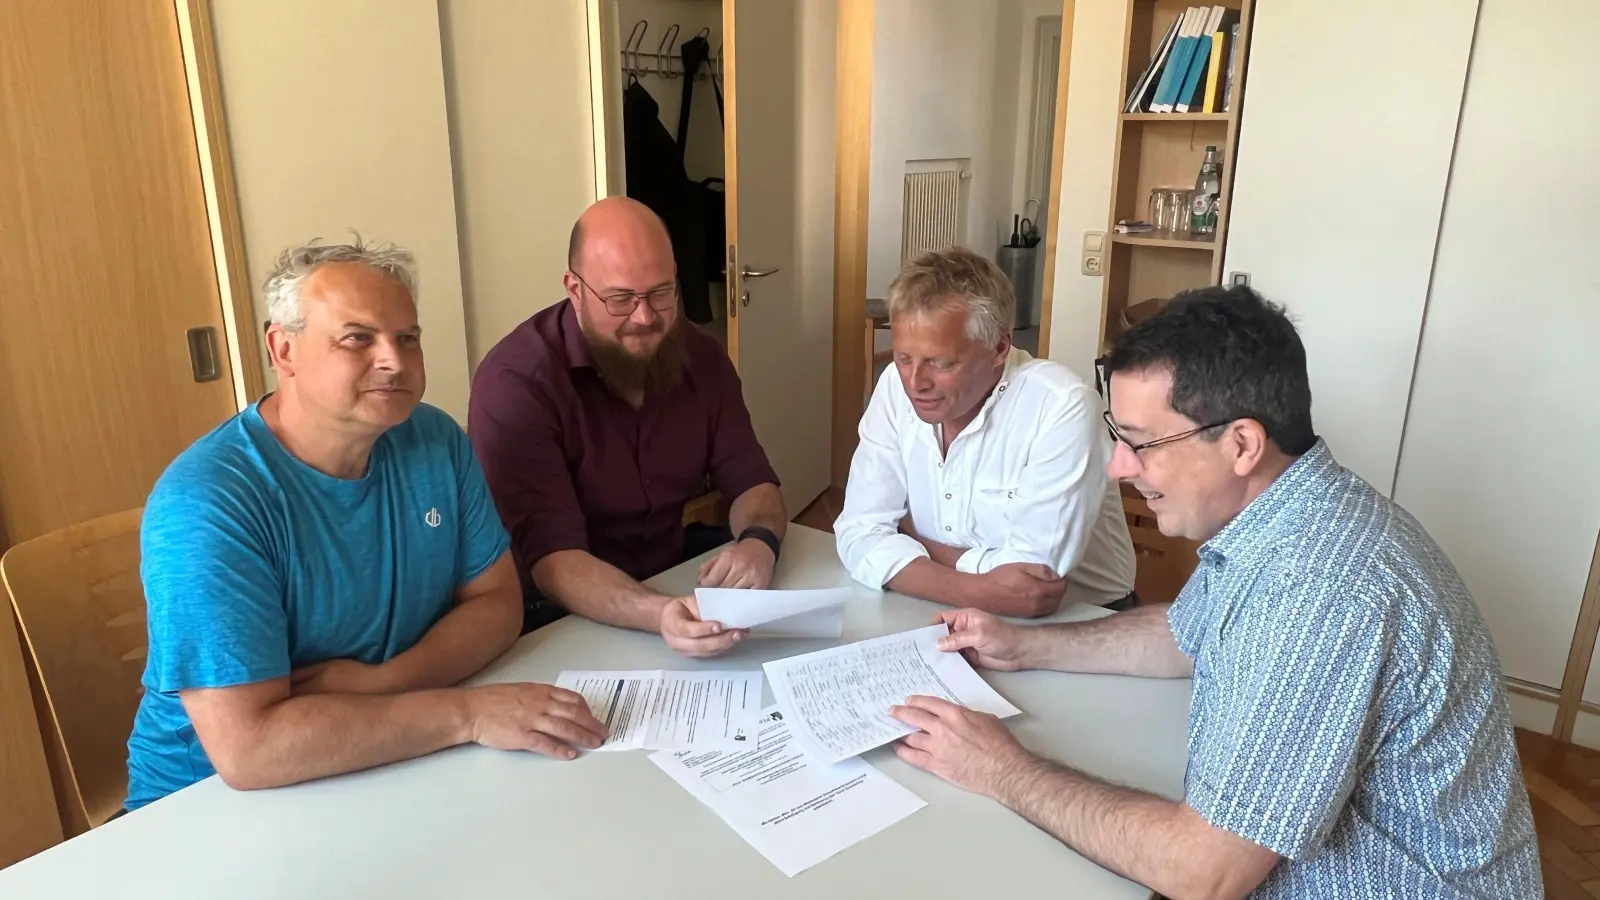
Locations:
323 568
1349 734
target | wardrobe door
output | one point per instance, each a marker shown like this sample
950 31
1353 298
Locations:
1502 441
1344 151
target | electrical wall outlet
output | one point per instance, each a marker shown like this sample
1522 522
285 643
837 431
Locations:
1093 264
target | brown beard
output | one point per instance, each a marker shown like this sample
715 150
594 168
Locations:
655 374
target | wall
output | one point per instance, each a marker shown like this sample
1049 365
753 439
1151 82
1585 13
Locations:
1498 457
336 119
1338 194
1094 98
522 142
933 81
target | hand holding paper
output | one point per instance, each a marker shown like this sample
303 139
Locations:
840 698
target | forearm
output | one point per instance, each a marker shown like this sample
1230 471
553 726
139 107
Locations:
927 579
596 590
458 646
1144 838
317 735
1136 642
759 507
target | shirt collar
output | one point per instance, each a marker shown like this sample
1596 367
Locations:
1278 508
577 347
1014 361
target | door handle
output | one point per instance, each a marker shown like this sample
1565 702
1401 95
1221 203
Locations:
203 354
747 272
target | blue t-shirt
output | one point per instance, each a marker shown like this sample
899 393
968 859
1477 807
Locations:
254 564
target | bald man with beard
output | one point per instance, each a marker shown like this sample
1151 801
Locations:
599 418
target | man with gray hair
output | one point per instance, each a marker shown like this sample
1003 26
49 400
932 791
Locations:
324 568
980 479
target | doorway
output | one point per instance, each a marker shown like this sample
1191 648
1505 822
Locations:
748 202
971 96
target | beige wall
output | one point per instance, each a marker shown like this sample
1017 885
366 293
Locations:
336 120
1093 101
517 79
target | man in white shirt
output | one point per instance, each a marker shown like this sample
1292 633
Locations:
999 459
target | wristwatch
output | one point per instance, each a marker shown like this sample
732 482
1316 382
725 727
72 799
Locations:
764 535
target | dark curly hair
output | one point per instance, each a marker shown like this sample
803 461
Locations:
1232 354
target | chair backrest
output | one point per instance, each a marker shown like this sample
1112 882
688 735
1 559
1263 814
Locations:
80 603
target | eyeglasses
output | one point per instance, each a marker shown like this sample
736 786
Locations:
1169 439
623 303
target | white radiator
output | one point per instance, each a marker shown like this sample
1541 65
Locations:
935 206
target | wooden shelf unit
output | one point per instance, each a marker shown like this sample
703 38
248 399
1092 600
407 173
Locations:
1165 150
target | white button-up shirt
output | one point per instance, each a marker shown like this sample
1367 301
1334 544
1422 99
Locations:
1024 482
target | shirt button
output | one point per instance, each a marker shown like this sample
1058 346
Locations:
947 528
1002 389
947 496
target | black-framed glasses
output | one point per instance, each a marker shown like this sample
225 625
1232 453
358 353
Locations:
1169 439
623 303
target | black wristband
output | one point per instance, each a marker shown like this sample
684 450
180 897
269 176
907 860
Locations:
764 535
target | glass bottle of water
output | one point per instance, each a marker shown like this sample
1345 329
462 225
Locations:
1207 188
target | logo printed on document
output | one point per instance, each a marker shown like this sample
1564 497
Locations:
433 518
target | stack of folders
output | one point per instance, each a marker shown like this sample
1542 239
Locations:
1192 68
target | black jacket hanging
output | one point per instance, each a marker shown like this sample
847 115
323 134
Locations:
696 53
656 178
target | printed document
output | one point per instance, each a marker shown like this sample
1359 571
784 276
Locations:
792 614
839 698
797 813
658 710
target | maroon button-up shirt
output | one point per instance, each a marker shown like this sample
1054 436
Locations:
573 467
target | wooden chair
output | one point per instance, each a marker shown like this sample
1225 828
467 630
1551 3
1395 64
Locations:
80 604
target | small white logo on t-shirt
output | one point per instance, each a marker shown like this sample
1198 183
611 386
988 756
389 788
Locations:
433 518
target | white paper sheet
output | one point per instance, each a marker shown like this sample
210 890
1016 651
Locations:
839 698
797 614
660 710
796 813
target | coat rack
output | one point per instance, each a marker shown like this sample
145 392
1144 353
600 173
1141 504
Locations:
664 61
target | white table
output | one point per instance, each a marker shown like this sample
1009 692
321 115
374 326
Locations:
471 822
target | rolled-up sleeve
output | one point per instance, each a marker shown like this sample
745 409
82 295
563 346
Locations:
867 532
515 428
1056 502
738 462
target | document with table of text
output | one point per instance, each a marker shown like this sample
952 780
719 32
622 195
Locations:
663 710
839 698
796 812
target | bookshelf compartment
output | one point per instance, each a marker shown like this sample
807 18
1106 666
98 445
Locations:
1163 155
1142 272
1151 19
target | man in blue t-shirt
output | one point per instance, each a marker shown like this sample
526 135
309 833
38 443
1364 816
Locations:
323 568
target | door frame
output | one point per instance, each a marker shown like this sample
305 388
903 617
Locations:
244 343
852 175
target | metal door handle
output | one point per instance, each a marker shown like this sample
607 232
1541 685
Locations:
748 272
203 354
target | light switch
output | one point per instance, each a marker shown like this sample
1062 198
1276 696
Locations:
1094 241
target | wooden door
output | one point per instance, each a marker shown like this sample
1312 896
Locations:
780 339
105 266
107 262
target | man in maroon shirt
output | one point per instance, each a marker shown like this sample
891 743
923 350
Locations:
598 418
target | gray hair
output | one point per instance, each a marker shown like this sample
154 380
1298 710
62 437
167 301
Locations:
294 265
957 279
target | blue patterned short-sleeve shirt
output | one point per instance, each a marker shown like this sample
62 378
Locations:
1348 711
